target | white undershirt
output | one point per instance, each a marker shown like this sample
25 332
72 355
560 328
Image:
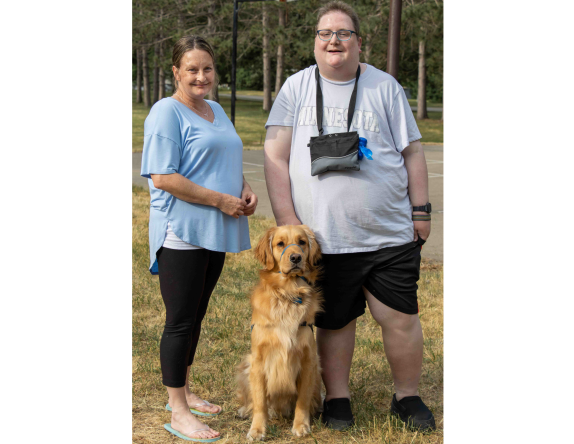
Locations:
175 243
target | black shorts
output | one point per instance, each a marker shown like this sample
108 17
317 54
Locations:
390 274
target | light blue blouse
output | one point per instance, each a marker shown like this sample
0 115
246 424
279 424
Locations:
176 140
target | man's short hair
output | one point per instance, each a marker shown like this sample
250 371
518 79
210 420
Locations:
338 6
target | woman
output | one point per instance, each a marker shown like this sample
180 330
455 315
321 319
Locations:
199 200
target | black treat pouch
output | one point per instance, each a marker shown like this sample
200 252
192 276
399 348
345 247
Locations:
338 151
334 152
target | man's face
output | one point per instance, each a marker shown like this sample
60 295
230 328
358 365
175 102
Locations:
335 54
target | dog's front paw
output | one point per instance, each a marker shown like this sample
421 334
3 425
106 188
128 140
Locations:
256 434
242 412
301 429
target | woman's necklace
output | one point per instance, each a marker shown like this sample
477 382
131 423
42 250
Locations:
205 114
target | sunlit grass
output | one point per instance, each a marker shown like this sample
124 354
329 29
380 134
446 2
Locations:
225 339
413 102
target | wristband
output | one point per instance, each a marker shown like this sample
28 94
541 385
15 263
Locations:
421 217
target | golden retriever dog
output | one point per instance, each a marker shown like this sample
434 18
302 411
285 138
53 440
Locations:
282 374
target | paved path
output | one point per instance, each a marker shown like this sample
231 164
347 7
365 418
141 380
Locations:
253 171
260 99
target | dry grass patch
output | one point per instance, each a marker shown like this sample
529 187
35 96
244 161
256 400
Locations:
225 339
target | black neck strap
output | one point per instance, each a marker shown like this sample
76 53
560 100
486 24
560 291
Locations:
351 110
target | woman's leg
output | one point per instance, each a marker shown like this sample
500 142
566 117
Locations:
182 279
183 420
214 268
212 273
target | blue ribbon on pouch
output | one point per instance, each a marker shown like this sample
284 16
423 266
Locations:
363 150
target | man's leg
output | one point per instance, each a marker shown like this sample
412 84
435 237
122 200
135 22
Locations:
391 292
336 349
342 281
403 342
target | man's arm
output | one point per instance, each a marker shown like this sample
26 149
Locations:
416 165
277 152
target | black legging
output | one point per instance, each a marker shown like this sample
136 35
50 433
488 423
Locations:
186 279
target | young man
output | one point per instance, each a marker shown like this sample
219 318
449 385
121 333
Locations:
363 220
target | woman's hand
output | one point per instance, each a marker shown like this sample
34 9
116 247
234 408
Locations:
248 196
231 205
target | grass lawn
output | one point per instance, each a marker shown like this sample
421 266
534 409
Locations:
250 123
139 114
245 92
413 102
225 339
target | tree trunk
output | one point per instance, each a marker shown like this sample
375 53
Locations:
280 50
422 93
442 118
214 93
372 35
180 15
147 95
138 74
161 44
266 62
368 48
161 73
395 9
211 19
156 73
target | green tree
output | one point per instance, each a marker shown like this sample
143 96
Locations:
289 40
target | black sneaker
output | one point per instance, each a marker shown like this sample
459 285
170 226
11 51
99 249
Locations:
337 414
413 411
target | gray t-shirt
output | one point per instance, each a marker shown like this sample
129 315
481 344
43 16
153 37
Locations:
351 211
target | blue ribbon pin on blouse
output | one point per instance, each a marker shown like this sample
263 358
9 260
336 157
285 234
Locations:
363 150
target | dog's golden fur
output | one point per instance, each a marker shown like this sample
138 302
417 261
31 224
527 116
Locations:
282 374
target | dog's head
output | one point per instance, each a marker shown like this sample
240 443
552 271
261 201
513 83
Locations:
290 249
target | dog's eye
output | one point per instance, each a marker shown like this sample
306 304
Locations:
280 244
302 242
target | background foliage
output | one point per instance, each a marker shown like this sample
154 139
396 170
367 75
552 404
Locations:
162 22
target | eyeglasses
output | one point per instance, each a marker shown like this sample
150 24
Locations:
342 34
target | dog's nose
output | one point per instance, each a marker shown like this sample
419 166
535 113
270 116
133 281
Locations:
295 258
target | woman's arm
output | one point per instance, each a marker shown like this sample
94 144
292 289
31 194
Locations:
184 189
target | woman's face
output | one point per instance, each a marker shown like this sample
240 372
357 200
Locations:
195 74
336 54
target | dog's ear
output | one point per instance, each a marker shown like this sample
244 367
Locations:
263 252
314 249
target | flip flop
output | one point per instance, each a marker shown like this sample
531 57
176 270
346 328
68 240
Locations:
187 438
197 412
